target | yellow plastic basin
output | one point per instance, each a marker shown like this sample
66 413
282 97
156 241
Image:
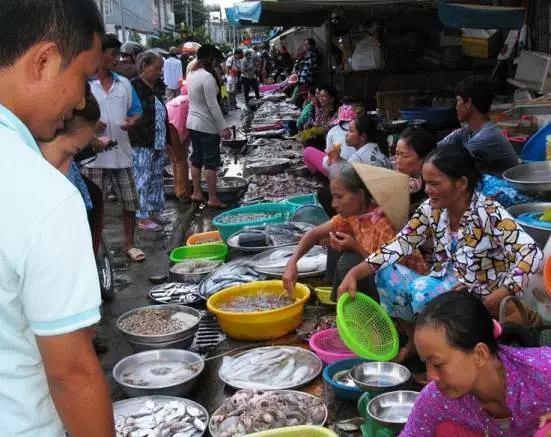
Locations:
324 295
296 431
204 238
260 325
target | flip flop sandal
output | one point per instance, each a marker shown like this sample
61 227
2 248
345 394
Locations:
135 254
218 205
151 226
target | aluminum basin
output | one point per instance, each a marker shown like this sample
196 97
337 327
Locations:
534 177
538 233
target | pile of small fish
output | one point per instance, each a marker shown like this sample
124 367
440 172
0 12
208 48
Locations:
233 273
249 411
278 187
196 266
247 217
316 324
262 301
174 419
175 292
157 321
269 368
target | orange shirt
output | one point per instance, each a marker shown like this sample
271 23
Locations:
372 230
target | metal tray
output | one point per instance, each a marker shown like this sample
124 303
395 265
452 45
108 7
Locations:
177 293
308 357
272 274
233 241
213 430
132 406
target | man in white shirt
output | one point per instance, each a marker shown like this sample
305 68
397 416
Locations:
120 110
233 65
52 382
173 74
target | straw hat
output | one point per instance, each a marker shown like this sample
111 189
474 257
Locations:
389 188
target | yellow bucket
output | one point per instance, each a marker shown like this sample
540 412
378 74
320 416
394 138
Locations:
296 431
324 295
260 325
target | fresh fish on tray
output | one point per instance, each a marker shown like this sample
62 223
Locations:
280 186
175 292
259 302
277 234
249 411
274 262
163 416
233 273
270 368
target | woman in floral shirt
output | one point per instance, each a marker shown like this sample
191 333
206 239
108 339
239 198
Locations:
477 387
477 244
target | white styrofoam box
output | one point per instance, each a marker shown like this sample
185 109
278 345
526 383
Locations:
533 72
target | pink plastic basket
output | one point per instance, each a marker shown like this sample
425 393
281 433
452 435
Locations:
329 347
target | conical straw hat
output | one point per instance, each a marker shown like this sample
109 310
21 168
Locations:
389 188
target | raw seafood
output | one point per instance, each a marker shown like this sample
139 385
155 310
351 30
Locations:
196 266
175 292
233 273
312 326
159 373
249 411
278 187
260 302
275 261
269 368
157 321
174 418
247 217
278 234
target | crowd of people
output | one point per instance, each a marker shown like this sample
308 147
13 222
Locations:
423 232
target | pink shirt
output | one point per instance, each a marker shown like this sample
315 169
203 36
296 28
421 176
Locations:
528 398
178 109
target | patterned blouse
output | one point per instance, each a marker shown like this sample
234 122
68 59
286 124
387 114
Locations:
528 398
493 251
372 230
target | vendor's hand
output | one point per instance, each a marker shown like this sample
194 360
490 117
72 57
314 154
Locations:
545 420
100 126
493 301
129 123
226 133
290 277
348 285
342 242
102 143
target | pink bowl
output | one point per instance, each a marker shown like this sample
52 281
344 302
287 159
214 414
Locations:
329 347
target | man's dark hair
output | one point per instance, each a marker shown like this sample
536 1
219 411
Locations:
110 41
479 90
70 24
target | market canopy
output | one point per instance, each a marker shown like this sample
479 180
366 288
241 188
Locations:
480 16
274 13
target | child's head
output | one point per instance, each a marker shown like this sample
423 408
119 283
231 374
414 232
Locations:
75 136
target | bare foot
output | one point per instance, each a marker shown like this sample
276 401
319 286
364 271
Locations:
198 197
407 351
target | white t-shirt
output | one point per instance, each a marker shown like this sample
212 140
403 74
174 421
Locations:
48 277
371 154
116 105
205 114
173 73
337 135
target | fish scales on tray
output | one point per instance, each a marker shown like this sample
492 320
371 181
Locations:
270 368
249 411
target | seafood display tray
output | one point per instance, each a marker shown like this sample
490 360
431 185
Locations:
175 293
308 358
214 432
233 241
132 406
286 252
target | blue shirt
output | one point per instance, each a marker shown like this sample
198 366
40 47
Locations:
48 277
491 150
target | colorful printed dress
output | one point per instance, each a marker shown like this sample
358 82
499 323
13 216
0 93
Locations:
489 251
528 398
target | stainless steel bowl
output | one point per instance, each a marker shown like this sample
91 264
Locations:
376 377
183 344
392 409
160 338
193 278
539 234
157 370
534 177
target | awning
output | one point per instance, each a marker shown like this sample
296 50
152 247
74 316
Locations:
459 15
274 13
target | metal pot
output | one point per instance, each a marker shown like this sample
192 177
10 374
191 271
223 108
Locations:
539 234
236 143
160 338
391 410
183 344
379 377
533 178
159 384
192 278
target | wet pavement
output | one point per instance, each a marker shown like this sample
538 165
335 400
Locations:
133 284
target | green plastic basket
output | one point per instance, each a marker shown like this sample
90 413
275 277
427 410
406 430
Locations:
366 329
301 200
210 251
